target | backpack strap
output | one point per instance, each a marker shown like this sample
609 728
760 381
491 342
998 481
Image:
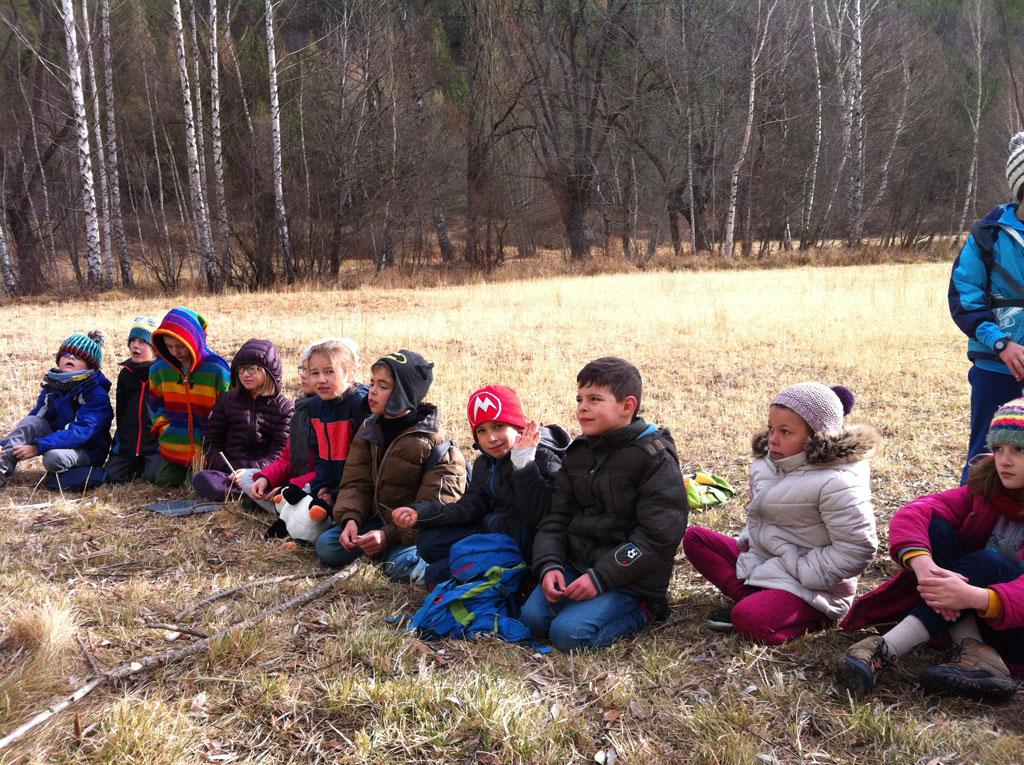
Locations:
436 455
985 233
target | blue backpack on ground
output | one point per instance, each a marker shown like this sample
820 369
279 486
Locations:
487 571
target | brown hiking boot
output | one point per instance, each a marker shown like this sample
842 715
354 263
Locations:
971 669
857 669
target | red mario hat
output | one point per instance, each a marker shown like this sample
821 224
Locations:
495 402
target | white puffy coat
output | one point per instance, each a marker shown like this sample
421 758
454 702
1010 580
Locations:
810 522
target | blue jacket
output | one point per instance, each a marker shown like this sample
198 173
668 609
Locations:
80 417
971 284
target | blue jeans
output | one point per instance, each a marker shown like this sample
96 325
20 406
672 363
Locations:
989 391
584 624
402 563
982 568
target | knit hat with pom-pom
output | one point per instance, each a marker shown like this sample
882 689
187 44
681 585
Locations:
89 348
1015 165
1007 425
822 408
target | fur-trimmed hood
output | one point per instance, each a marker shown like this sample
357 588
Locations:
852 444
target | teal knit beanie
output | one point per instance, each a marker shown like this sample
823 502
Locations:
89 348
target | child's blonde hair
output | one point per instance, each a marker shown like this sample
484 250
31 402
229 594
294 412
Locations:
342 351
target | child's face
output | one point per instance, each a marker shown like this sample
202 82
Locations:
1010 465
305 381
382 382
598 412
179 351
141 351
328 380
70 363
495 438
252 377
787 432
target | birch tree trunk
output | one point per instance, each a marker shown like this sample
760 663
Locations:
856 127
812 171
211 270
757 48
101 159
94 257
978 39
218 154
113 172
275 136
6 263
900 128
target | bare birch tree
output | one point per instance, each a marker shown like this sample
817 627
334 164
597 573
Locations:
856 161
113 171
6 263
811 182
218 152
94 257
975 24
275 138
101 158
762 21
210 267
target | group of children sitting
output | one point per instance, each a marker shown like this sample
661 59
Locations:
600 517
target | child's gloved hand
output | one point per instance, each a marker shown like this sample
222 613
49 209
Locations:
404 517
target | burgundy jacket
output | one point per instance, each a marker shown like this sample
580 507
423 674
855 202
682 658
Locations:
251 432
973 517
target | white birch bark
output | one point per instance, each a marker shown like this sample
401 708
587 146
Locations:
159 170
209 263
812 171
197 103
978 39
275 137
113 172
101 159
898 130
6 263
856 161
229 41
757 48
94 257
218 154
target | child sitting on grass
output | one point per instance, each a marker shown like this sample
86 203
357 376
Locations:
296 464
184 384
604 552
70 423
387 468
135 451
810 528
248 427
510 489
962 553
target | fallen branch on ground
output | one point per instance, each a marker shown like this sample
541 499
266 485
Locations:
155 661
229 591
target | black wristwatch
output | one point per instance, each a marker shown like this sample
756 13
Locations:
1000 344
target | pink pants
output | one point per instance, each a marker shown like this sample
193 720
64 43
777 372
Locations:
767 616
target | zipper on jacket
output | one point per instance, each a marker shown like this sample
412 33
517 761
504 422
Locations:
138 440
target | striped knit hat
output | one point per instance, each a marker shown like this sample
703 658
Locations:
1015 165
142 328
822 408
1008 425
89 348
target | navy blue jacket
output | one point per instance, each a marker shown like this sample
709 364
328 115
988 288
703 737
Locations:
79 415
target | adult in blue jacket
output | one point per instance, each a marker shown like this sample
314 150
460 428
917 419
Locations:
70 423
986 300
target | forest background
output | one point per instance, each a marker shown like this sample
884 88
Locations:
253 143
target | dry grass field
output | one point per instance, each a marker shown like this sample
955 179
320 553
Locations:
332 682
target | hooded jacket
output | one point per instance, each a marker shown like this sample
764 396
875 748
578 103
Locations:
973 517
810 524
618 512
377 481
131 409
250 432
334 424
181 399
501 499
79 413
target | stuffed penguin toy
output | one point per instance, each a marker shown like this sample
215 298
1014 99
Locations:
305 517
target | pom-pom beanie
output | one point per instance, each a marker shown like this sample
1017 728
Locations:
142 328
821 407
87 347
1008 425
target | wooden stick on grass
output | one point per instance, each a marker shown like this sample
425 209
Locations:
155 661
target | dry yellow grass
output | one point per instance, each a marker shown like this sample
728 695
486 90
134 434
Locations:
334 683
